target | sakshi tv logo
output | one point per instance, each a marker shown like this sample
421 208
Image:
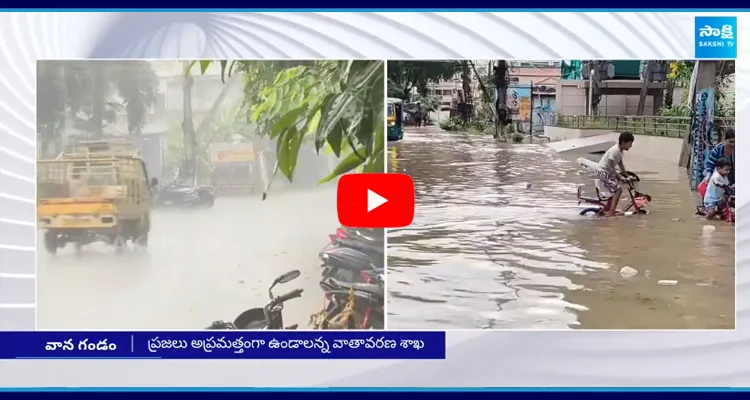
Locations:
715 37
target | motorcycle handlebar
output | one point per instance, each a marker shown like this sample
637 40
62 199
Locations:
286 297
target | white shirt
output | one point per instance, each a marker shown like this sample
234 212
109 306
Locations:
715 192
611 159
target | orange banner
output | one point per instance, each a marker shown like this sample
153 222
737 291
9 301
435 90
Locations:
524 109
232 155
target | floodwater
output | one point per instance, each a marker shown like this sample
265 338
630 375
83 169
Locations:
497 243
201 265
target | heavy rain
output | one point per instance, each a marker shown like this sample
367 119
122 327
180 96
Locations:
218 219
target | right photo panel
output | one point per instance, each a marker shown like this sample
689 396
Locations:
573 194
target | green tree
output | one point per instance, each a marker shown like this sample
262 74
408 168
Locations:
107 88
137 86
334 103
679 75
88 94
405 76
422 105
52 106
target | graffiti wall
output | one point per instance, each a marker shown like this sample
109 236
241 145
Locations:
543 113
518 102
702 134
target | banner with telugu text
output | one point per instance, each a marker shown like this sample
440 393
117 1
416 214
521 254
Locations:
224 345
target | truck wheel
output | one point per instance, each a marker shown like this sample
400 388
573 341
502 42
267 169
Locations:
50 242
79 245
119 243
143 240
145 227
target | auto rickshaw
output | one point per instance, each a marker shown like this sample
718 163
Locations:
395 119
97 196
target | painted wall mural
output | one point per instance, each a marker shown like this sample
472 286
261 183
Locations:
702 134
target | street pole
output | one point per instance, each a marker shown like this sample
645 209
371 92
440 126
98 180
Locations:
590 110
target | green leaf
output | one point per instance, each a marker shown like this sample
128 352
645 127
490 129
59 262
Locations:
189 67
271 100
255 115
338 101
367 74
326 104
364 131
287 121
313 122
379 139
204 66
346 165
338 107
375 164
334 139
288 151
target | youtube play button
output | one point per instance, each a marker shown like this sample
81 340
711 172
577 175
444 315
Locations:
375 200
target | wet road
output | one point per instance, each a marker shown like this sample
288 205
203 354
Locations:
201 266
486 250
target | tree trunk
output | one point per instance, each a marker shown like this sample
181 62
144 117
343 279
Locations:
467 95
705 77
99 99
61 137
644 88
188 129
669 93
211 115
500 80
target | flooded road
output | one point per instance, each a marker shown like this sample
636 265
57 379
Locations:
497 243
201 266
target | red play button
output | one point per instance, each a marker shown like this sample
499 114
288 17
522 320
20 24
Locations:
375 200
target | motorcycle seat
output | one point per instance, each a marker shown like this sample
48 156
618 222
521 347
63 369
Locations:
367 235
375 290
348 259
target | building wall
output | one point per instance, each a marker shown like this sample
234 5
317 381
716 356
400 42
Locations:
625 105
572 100
546 76
523 73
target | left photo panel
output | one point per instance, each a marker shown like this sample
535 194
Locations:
202 194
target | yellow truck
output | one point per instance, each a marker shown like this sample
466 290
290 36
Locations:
101 194
233 168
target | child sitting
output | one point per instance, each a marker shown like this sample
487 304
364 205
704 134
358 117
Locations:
718 184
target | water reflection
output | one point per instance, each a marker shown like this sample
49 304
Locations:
497 243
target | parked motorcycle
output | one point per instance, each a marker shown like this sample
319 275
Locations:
368 241
351 305
347 264
175 195
268 317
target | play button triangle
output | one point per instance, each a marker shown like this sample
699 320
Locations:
374 200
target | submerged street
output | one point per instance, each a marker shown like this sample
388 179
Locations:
201 265
497 243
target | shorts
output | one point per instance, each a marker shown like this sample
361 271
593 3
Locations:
607 184
716 206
